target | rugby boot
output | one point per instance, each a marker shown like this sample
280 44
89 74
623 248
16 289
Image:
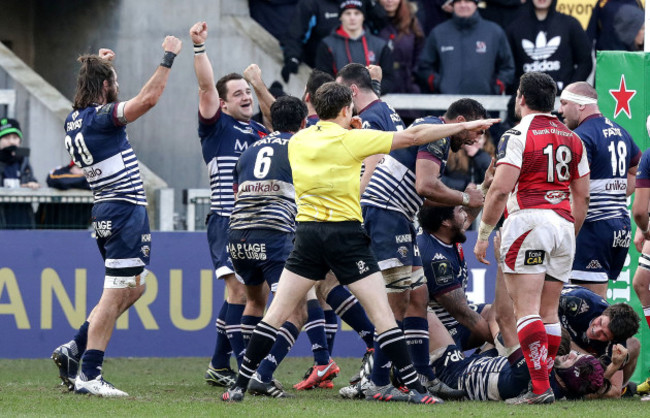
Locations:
438 388
367 363
357 390
326 384
220 377
390 393
318 374
68 365
98 387
272 389
643 388
532 398
234 394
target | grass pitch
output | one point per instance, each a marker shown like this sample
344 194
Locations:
175 387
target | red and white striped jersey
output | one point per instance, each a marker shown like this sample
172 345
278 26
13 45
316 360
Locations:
549 156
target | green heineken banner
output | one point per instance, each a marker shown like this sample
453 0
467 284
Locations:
623 85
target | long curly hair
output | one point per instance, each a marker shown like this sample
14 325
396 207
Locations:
90 82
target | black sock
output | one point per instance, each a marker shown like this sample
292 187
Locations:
392 343
260 345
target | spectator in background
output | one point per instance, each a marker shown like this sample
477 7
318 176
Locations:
404 35
352 43
545 40
15 171
70 215
466 55
629 27
601 25
468 165
431 13
67 177
312 21
273 15
502 12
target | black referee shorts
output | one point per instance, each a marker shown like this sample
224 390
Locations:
343 247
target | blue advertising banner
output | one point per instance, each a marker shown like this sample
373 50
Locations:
50 280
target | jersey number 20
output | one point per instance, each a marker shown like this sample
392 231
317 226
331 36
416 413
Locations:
81 149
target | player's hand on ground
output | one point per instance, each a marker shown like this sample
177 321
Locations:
375 72
253 74
356 122
480 124
480 250
107 54
199 32
172 44
475 197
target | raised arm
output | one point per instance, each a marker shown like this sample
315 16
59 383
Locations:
253 75
153 89
208 96
423 134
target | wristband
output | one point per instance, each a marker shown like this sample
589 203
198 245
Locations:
199 49
484 231
168 59
465 197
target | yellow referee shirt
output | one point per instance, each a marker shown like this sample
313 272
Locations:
326 165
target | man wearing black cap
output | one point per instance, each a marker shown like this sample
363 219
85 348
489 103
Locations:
466 55
350 43
15 171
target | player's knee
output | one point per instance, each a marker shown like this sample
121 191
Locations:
641 280
236 290
418 300
324 287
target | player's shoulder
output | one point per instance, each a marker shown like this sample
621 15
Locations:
430 120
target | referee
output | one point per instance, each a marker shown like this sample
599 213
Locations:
326 163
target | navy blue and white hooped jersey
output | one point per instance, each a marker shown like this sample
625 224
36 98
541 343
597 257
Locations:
578 307
445 269
392 185
223 140
611 151
481 378
97 142
381 116
265 196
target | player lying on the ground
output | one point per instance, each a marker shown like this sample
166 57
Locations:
505 377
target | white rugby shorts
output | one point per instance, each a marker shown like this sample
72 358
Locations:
537 241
